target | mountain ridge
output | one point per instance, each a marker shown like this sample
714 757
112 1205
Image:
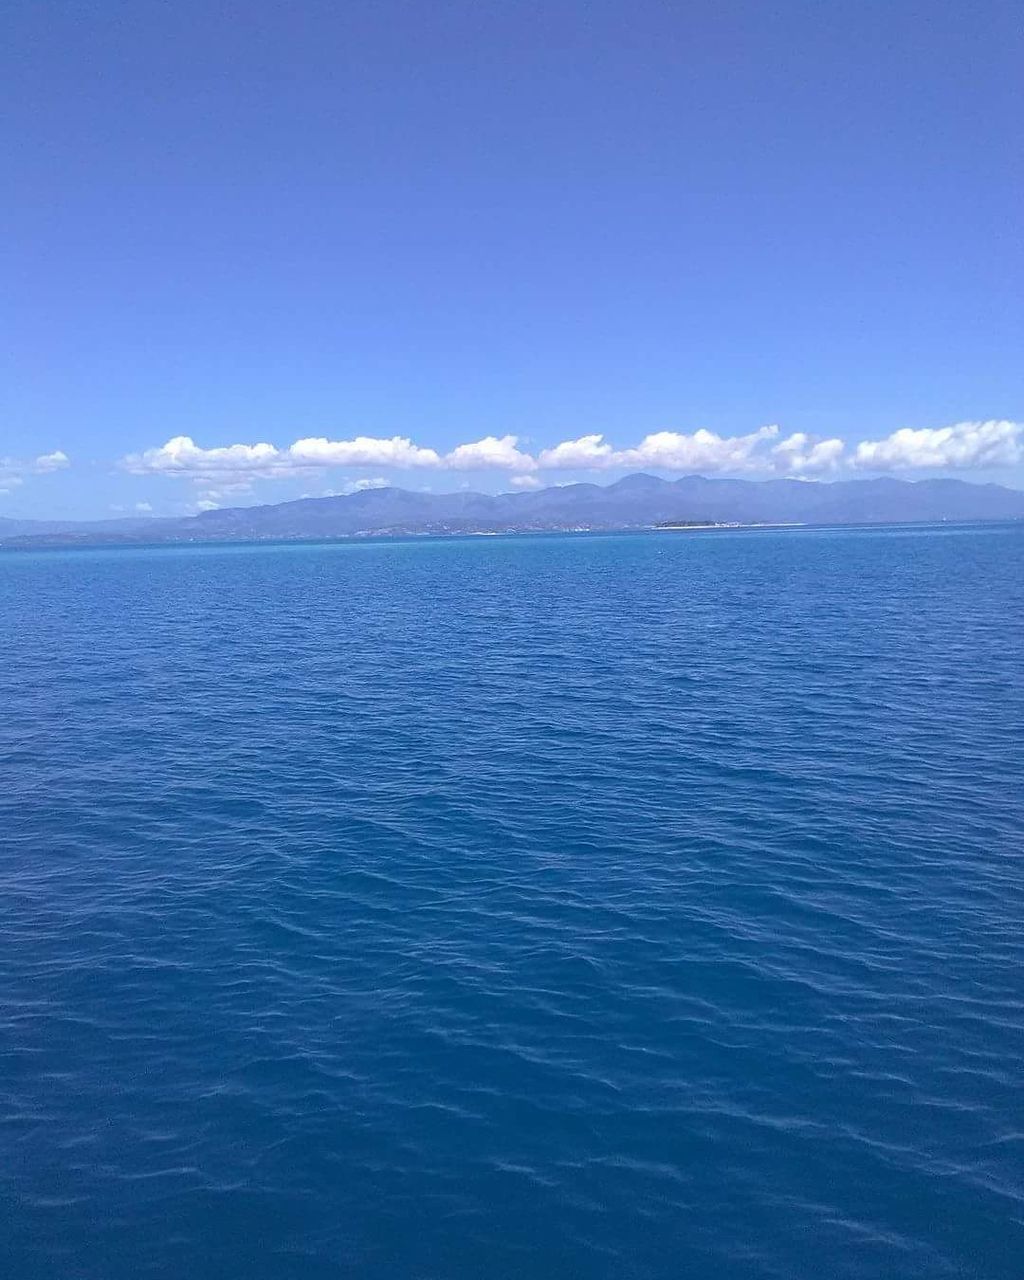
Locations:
636 501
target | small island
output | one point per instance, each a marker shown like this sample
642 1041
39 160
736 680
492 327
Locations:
668 525
695 524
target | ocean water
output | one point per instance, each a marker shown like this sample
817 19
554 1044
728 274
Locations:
641 906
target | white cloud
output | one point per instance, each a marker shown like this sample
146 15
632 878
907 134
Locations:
182 456
584 454
525 482
13 471
144 508
367 482
966 444
664 451
55 461
801 455
702 451
207 504
363 451
491 451
242 463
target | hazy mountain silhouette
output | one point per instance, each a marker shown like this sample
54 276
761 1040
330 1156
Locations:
637 501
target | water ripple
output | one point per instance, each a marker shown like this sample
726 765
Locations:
569 907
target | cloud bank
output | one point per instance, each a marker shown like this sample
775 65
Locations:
765 452
967 444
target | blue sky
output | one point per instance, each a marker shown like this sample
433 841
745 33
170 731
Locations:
737 238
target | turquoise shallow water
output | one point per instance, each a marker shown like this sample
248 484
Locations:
639 906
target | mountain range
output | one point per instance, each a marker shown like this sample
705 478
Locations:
635 502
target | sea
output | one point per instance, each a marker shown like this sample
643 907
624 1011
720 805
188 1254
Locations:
562 907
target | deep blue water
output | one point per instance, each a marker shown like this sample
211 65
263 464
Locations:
642 906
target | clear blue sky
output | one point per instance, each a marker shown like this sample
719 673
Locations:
262 222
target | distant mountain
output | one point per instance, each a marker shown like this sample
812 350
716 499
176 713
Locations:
636 502
37 528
